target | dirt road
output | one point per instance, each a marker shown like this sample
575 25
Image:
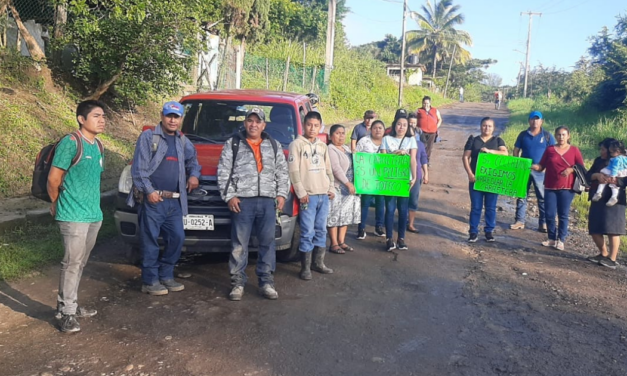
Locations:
441 308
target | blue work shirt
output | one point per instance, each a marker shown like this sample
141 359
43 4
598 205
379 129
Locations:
359 132
145 164
533 147
162 177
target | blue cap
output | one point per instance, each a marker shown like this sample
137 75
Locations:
534 114
173 107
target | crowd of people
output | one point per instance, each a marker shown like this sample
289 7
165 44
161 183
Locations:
554 161
254 179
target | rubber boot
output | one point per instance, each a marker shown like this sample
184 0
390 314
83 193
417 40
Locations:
318 261
305 266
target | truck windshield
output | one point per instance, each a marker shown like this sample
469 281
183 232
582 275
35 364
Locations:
217 121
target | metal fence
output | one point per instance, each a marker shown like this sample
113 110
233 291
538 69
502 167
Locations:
36 15
42 11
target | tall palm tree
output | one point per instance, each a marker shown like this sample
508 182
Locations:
437 34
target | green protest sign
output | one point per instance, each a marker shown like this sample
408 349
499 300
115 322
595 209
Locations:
502 174
382 174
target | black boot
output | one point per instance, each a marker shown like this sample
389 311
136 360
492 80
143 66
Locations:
318 261
305 265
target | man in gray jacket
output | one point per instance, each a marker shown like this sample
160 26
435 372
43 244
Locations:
252 174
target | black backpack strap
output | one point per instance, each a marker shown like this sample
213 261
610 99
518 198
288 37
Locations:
79 148
234 148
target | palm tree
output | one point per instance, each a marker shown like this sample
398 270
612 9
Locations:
437 34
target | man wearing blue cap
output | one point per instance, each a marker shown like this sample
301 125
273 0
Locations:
163 159
532 144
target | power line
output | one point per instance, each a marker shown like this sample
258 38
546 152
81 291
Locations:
567 9
371 19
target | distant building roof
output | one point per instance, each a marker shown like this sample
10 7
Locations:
408 66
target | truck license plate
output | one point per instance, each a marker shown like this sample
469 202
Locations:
198 222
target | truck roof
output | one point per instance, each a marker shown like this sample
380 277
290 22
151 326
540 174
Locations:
249 95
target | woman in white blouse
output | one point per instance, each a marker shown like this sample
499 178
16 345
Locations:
371 144
399 142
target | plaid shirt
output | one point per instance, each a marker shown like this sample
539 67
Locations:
145 164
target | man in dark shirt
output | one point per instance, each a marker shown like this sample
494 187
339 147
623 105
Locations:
362 129
163 158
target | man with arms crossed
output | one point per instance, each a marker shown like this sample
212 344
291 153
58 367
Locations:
75 194
311 175
532 144
260 175
163 158
429 121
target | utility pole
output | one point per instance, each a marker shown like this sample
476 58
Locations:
449 71
531 14
330 42
402 77
520 69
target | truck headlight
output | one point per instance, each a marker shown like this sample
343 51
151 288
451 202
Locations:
126 180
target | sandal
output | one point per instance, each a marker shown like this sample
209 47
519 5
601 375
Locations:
412 229
336 249
346 247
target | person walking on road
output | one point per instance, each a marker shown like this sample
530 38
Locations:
345 208
486 142
532 143
461 94
558 161
163 159
422 169
429 121
311 175
399 142
371 144
362 129
260 170
74 191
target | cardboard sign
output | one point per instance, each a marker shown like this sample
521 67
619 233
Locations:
502 174
382 174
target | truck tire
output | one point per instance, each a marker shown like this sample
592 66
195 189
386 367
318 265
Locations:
290 254
133 255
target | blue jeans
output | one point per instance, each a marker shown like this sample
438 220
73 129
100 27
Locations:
379 210
414 195
166 219
257 214
313 223
558 203
392 203
537 178
479 200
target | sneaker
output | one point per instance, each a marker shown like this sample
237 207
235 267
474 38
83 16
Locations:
608 263
596 259
401 245
389 245
612 201
82 312
155 289
549 243
379 231
472 238
172 285
543 229
236 293
489 237
69 324
517 226
559 245
597 196
361 234
268 292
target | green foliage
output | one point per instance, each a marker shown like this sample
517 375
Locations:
145 47
437 34
387 50
292 21
21 252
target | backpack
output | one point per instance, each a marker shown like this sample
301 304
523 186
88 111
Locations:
235 149
43 163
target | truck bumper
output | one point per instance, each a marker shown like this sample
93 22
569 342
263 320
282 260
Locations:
218 240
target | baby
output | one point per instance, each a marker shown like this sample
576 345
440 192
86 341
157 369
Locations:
617 168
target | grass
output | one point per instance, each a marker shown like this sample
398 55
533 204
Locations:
587 128
21 253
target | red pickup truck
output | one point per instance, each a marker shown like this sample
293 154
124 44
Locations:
210 119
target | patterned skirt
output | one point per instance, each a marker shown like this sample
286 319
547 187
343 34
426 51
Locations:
344 210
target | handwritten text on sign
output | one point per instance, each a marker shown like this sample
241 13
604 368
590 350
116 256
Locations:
502 174
382 174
